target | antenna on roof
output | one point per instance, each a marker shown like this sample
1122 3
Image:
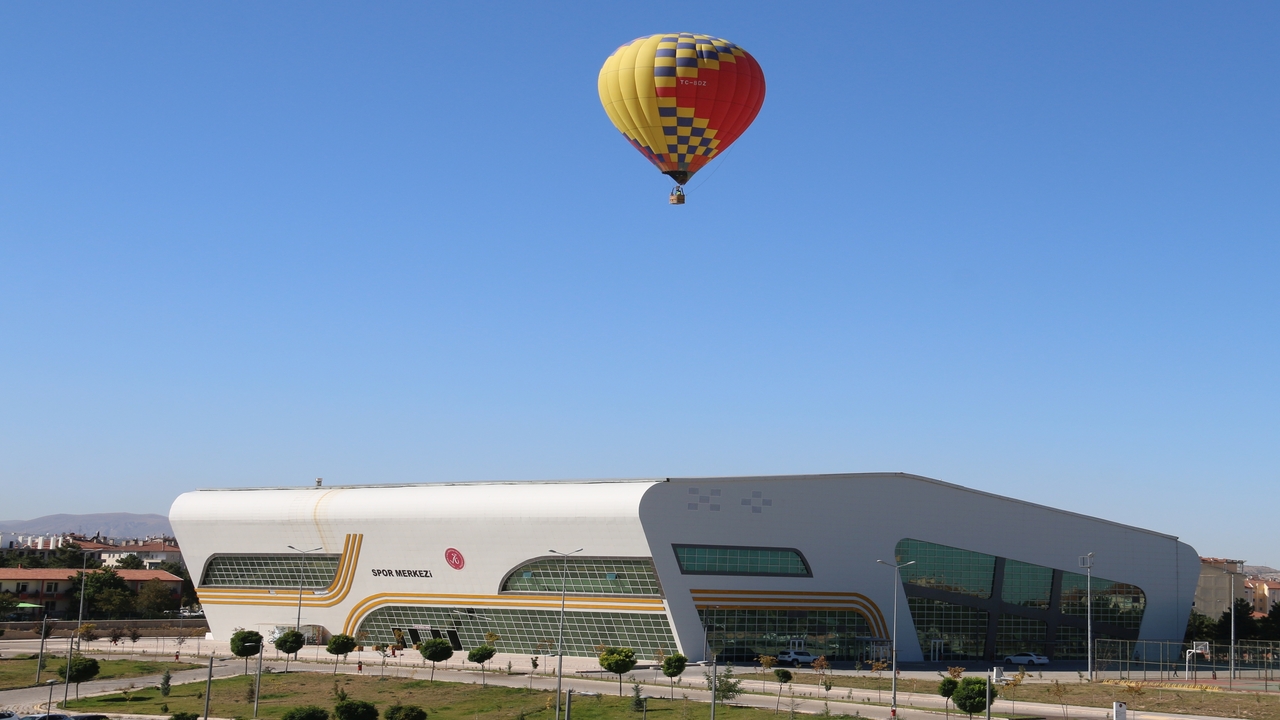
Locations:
319 481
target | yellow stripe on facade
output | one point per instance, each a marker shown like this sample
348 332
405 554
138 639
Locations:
792 600
337 591
532 602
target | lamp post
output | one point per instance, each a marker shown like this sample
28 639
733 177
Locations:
84 570
301 578
897 582
257 684
48 708
1086 562
706 648
43 634
564 588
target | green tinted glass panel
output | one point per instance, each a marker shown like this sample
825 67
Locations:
271 571
525 632
593 576
723 560
946 568
1026 584
1018 634
962 630
743 634
1115 603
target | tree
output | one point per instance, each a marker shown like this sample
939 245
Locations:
289 643
246 644
355 710
67 556
405 712
154 597
1200 627
166 683
8 603
130 562
95 584
673 667
784 678
339 645
114 602
188 588
436 650
306 712
766 665
971 695
1269 626
480 655
947 688
619 661
83 669
726 687
1246 626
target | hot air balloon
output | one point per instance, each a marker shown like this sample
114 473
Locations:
681 99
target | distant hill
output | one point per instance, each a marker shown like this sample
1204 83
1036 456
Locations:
115 525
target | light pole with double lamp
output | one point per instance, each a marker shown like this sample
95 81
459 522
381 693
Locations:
564 589
897 584
302 577
84 575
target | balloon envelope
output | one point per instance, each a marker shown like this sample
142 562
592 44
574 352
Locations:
681 99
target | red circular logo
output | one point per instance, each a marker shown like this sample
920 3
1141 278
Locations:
454 558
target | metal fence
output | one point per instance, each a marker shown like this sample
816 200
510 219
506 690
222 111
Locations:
1177 661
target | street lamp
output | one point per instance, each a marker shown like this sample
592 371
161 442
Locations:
897 577
564 587
48 708
1086 562
84 570
257 685
706 648
301 578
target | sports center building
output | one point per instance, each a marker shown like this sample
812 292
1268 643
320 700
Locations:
745 565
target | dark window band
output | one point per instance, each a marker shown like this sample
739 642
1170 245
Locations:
738 560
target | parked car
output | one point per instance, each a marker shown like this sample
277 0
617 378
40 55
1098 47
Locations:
1026 658
90 717
796 658
53 716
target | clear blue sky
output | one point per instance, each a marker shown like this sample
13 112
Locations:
1029 248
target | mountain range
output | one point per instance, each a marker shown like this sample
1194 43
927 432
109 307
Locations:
113 525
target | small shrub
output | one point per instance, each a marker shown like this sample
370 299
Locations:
164 707
184 716
355 710
306 712
405 712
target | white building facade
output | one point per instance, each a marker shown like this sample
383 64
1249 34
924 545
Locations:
744 565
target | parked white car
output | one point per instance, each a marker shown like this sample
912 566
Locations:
1026 658
796 658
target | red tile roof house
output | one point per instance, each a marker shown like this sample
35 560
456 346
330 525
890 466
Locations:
48 587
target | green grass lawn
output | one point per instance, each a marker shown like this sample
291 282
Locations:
18 673
231 698
1140 698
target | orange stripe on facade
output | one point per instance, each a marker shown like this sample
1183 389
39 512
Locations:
337 591
536 602
791 600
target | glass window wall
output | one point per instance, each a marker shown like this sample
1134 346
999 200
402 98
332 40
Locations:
593 576
271 571
946 568
725 560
